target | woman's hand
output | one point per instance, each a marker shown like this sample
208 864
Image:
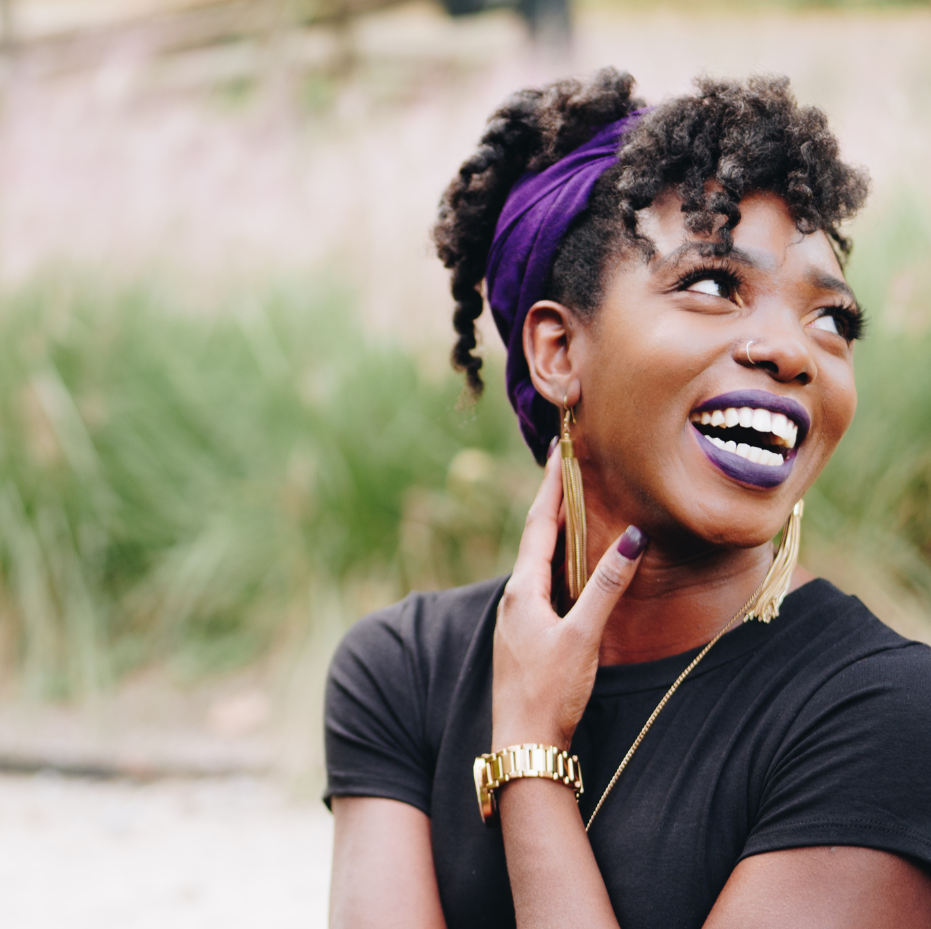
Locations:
544 664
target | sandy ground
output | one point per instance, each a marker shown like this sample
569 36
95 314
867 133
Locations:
192 854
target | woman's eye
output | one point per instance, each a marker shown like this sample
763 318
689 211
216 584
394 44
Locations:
828 323
712 287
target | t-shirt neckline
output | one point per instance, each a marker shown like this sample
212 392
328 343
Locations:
612 680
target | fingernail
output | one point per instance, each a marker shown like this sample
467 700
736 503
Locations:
632 543
553 443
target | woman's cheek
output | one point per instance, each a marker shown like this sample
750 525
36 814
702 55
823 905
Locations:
840 405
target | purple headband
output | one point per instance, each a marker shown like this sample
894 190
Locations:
537 214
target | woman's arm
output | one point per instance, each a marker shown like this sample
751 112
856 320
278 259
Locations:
835 887
544 671
556 881
383 875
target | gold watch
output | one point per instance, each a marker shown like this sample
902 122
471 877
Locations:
493 770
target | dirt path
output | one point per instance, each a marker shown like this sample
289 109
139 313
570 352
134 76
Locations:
201 854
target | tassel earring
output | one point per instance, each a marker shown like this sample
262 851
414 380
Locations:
576 547
775 585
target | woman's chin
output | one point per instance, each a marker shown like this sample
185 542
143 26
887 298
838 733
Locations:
716 532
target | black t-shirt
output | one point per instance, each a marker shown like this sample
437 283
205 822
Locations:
813 730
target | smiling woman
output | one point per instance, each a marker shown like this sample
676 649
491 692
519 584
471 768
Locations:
669 283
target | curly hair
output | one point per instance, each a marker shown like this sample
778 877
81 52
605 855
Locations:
749 136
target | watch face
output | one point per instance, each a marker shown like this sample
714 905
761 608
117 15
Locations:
486 799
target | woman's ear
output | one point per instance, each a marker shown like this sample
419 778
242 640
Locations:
548 331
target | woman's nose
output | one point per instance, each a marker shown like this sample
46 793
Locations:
783 352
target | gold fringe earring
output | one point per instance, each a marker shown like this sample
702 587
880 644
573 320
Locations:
576 530
775 585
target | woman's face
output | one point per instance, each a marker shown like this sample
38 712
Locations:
667 352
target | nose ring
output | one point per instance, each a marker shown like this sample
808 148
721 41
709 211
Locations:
751 342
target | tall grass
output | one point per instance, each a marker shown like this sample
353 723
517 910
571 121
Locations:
175 486
194 489
869 515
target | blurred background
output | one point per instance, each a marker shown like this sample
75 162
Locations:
228 427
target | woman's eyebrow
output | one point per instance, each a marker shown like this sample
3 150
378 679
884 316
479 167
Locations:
758 260
822 281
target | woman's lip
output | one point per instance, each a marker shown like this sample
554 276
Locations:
761 399
740 469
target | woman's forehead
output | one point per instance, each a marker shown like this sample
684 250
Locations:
766 238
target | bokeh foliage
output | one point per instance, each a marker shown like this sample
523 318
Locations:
172 484
178 486
872 504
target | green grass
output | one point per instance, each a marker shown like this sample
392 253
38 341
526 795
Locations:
172 486
188 488
869 515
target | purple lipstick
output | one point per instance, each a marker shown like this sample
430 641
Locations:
751 435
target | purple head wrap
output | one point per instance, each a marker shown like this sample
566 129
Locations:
537 214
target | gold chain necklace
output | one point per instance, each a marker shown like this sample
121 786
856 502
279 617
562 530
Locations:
743 611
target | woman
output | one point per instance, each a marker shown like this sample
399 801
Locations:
669 286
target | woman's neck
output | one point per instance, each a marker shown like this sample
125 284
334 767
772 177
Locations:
676 604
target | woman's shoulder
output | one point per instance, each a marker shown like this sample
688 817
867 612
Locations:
390 685
854 661
828 661
819 609
427 619
853 716
428 632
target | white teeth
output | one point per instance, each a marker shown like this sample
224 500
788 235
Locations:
750 452
762 420
781 431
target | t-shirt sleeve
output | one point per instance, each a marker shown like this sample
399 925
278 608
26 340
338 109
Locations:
855 768
374 725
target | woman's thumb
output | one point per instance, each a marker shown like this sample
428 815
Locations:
609 580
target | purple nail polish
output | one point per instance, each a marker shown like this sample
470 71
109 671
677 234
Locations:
632 543
553 443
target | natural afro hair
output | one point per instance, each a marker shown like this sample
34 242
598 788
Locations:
747 136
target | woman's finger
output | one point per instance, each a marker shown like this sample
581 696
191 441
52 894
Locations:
608 582
535 555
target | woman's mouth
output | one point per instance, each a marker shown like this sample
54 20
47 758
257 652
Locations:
751 435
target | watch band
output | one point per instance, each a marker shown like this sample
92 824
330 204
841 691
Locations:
492 770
